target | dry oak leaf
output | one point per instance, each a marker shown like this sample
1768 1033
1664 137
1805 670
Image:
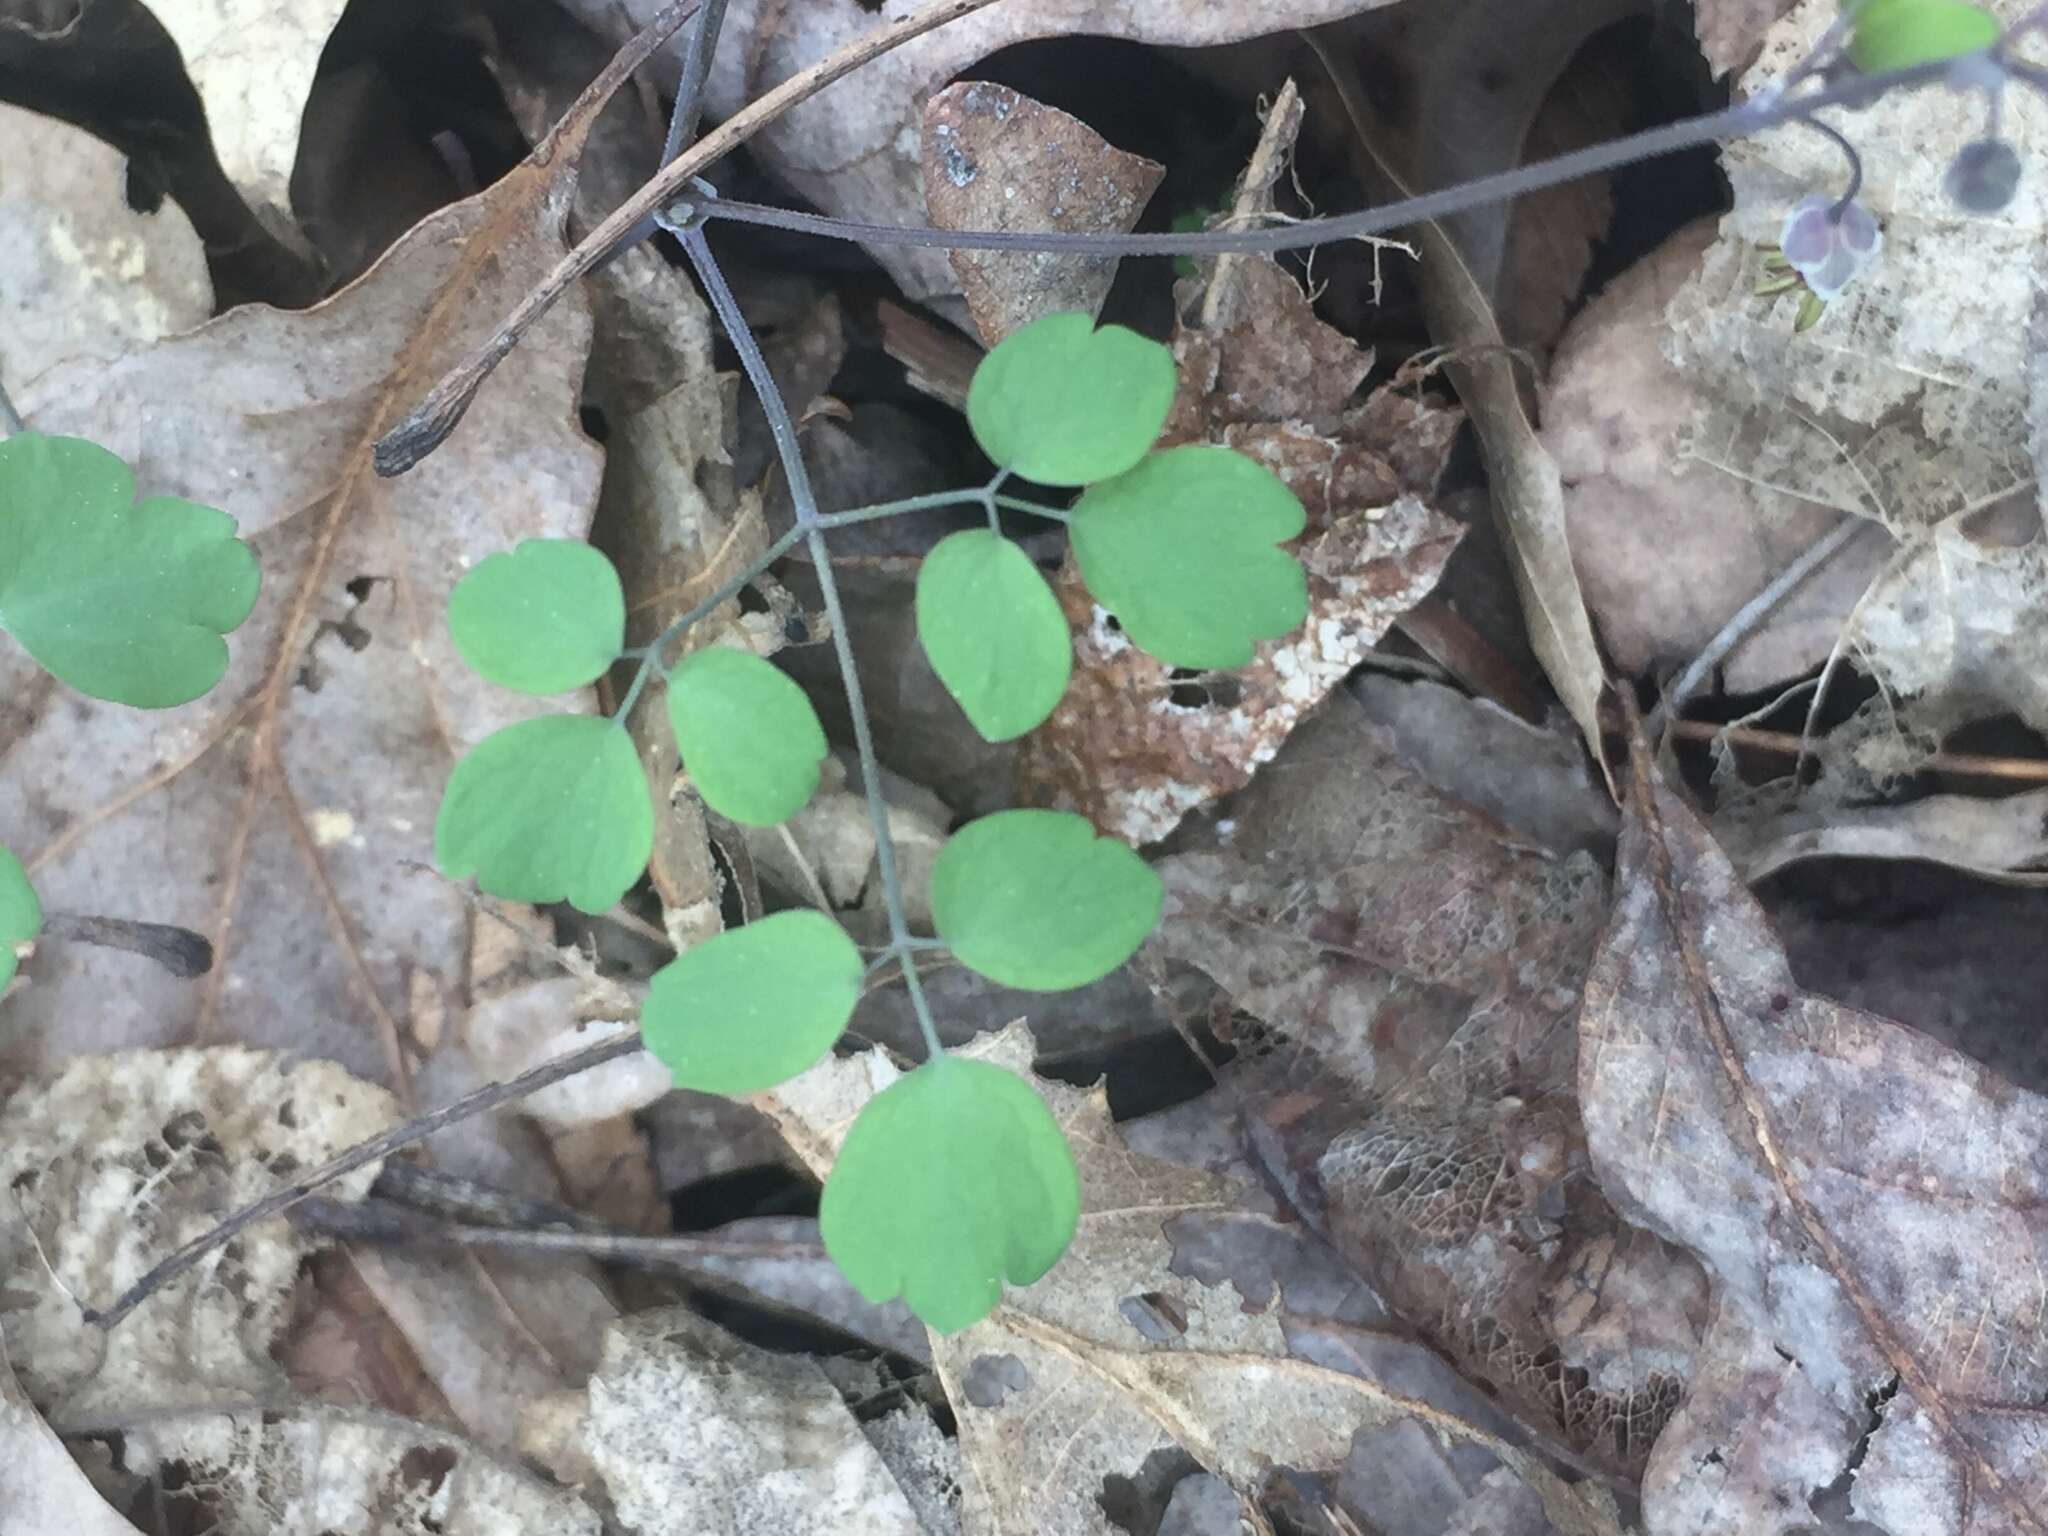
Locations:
1869 1203
119 1159
275 814
1140 1343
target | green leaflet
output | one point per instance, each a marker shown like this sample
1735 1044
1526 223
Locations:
1063 403
993 631
951 1180
1896 34
1035 900
750 740
1183 550
545 618
754 1006
21 914
553 809
122 600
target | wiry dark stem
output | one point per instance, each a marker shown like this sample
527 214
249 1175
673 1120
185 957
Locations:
1731 123
782 427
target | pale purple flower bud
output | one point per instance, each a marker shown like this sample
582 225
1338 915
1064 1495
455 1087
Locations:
1828 249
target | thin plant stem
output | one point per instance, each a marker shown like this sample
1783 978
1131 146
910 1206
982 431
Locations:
1751 615
689 107
783 429
1020 504
1739 121
651 656
1841 141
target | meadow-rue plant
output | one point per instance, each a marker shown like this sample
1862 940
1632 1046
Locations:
956 1177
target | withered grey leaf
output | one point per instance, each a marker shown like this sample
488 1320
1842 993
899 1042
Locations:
1418 969
693 1430
120 1158
1868 1202
996 159
1898 406
1669 544
73 248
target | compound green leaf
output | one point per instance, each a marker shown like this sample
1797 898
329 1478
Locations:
123 600
1896 34
754 1006
21 915
553 809
546 617
1182 549
1035 900
952 1179
994 632
1062 403
749 738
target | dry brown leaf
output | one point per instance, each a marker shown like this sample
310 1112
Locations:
1868 1202
996 159
1183 1318
274 815
1421 970
853 150
1134 745
81 270
1669 545
119 1159
2001 839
